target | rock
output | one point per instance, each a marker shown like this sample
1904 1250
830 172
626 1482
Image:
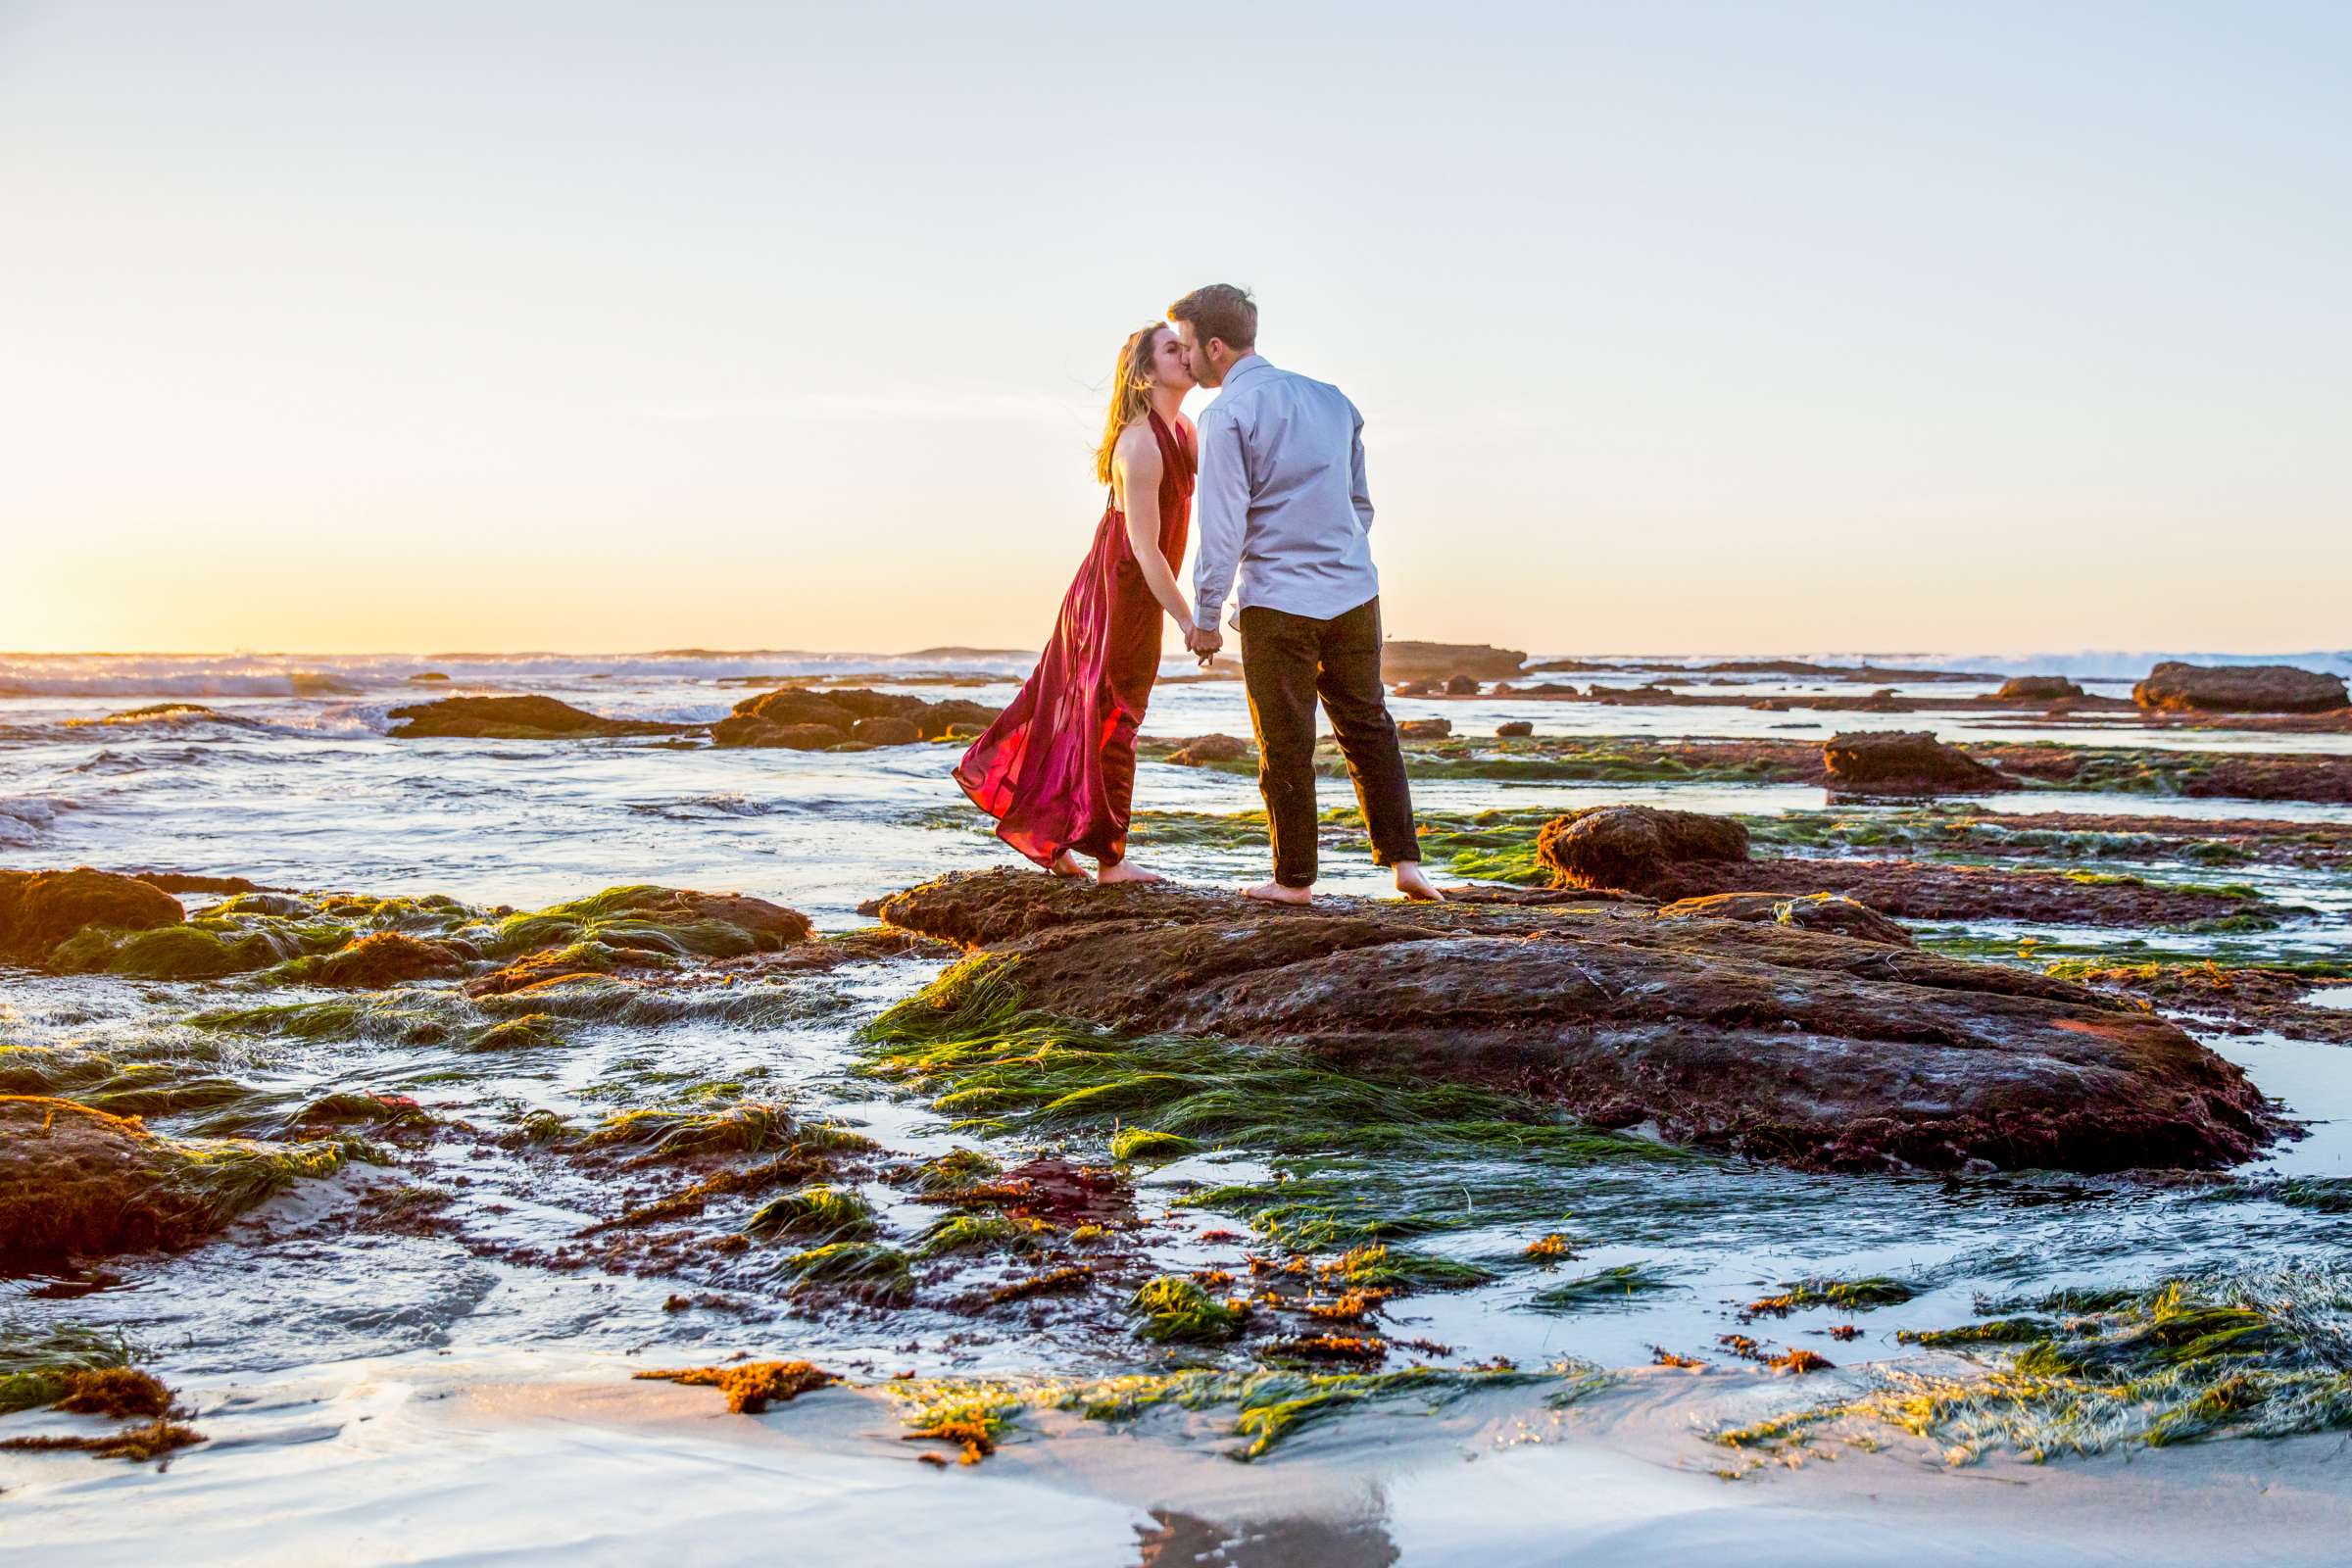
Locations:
1797 1046
1808 911
1203 749
744 730
1632 848
1906 762
1411 660
1513 729
865 703
766 926
1460 686
512 719
964 732
952 716
1415 688
380 960
793 706
428 675
39 909
2037 689
884 731
1768 704
2239 689
1423 729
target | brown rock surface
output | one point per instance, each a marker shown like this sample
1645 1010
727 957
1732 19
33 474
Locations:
750 730
886 731
1906 762
39 909
1423 729
1790 1045
1808 911
385 958
2239 689
1513 728
1205 749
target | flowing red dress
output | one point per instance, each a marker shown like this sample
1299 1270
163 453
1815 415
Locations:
1056 769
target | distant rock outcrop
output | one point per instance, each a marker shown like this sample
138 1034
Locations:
2239 689
791 717
1906 762
2037 689
1440 661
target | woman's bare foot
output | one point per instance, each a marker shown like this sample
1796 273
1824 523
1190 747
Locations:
1066 864
1125 871
1276 893
1414 886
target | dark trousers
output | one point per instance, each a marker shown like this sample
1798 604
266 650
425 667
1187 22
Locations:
1288 661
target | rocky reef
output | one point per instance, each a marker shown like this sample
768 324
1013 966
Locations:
2239 689
1803 1047
1408 661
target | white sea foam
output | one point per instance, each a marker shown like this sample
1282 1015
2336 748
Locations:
26 820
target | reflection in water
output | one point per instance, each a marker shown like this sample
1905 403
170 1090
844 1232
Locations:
1186 1541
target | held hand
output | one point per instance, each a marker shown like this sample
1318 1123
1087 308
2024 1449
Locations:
1205 641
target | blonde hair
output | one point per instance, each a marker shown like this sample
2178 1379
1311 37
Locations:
1130 392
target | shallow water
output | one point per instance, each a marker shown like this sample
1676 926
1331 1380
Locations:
305 791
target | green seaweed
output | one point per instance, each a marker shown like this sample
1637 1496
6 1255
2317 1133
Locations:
1175 1308
1618 1288
823 1212
871 1270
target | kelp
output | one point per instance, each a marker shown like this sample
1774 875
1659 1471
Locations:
2253 1353
1177 1309
823 1212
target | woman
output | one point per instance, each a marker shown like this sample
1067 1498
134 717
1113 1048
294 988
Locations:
1056 769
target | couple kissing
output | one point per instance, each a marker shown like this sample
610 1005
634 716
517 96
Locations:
1277 468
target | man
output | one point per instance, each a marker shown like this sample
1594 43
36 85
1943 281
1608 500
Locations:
1280 495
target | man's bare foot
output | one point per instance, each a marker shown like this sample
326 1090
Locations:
1276 893
1066 864
1414 886
1125 871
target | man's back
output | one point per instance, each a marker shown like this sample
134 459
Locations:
1281 496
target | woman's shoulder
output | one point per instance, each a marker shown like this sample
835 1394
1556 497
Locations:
1137 443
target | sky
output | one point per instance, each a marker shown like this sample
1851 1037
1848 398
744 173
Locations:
1677 327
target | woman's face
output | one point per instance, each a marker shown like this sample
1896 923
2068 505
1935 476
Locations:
1170 366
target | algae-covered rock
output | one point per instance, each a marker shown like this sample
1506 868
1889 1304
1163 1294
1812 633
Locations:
41 910
793 706
512 719
1203 749
2239 689
80 1183
1797 1046
1906 762
1632 848
379 960
1515 729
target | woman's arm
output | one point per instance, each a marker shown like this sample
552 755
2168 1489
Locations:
1136 467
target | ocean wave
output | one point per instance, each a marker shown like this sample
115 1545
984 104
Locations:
704 807
25 819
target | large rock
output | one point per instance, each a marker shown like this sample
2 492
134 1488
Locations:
2239 689
884 730
1635 848
39 909
942 718
1203 749
1785 1044
512 719
2039 688
757 719
1423 729
1906 762
1440 662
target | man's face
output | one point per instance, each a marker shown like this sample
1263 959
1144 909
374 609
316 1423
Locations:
1202 356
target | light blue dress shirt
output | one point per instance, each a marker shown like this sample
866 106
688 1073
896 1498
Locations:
1280 494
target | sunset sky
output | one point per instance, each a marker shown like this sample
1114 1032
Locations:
1678 327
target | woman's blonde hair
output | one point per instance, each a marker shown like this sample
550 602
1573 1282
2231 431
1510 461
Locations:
1130 392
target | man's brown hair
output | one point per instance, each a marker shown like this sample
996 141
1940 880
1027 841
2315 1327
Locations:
1219 311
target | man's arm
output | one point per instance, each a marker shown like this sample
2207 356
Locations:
1221 505
1359 491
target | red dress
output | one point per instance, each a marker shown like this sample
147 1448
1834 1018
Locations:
1056 769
